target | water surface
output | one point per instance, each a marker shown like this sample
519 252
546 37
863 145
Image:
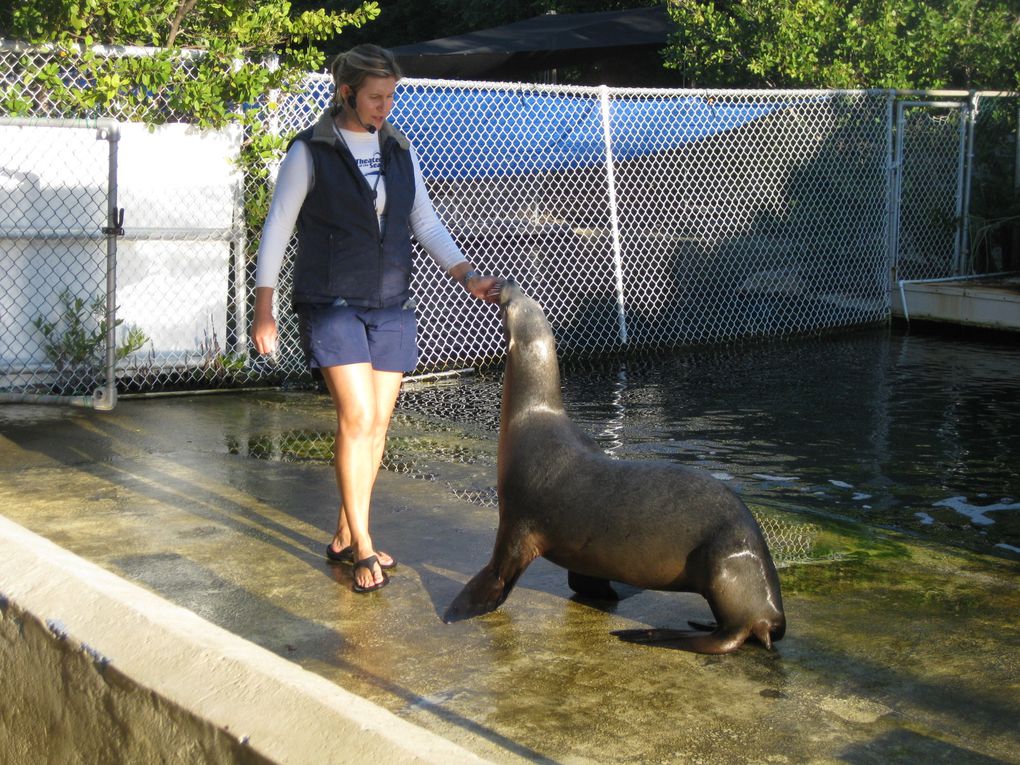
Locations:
914 431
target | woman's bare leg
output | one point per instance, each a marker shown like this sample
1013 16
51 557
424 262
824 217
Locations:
364 399
342 537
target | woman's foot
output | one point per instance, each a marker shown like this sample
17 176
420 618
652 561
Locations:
369 576
344 553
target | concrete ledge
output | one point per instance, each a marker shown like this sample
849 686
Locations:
96 669
990 302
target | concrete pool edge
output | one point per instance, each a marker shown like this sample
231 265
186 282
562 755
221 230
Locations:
101 669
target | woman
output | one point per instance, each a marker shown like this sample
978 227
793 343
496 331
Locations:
353 186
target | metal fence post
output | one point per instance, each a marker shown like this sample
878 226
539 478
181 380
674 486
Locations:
892 188
967 159
614 217
106 398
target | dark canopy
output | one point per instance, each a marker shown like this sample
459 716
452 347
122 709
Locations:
542 43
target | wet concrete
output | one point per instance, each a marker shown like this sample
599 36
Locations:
897 651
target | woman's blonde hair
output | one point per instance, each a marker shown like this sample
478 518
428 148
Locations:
367 60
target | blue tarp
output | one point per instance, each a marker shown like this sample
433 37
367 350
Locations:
471 133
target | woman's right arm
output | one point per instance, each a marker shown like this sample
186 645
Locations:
292 184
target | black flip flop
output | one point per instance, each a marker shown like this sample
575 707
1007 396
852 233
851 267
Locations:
368 563
346 555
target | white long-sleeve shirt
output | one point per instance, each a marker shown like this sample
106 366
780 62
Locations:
295 180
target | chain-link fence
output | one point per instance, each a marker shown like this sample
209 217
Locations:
159 311
637 218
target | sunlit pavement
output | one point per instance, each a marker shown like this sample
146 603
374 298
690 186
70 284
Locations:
896 651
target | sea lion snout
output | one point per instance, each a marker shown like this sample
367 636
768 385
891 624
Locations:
524 321
508 291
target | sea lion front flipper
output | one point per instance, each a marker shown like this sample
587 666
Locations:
484 593
591 586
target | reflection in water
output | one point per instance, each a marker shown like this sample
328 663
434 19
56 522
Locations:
403 455
484 497
609 435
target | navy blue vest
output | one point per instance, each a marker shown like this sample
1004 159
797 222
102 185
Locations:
340 251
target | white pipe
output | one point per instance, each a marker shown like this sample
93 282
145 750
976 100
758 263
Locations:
182 393
87 402
100 124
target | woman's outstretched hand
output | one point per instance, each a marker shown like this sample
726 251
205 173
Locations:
486 288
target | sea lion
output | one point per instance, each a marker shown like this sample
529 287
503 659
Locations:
651 524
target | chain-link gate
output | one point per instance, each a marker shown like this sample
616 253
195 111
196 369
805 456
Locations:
181 273
930 152
638 218
59 223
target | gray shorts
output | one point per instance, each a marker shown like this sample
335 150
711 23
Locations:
332 336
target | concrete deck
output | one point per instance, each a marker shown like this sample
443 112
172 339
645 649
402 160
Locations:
896 651
986 302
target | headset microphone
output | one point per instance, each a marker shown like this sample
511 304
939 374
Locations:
352 102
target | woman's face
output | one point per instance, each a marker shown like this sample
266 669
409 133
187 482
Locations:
374 102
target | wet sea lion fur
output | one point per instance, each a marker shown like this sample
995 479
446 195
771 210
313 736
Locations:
651 524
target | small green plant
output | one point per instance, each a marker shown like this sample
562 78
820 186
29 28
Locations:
78 336
217 365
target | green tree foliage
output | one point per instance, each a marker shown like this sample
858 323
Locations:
206 65
204 62
923 44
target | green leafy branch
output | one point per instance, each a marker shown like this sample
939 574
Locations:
205 63
78 336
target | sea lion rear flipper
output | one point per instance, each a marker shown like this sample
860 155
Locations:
718 641
591 587
703 626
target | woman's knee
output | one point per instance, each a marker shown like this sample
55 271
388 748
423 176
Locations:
356 423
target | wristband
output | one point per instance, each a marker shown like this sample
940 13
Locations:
469 275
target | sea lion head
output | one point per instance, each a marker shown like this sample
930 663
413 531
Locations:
525 325
531 379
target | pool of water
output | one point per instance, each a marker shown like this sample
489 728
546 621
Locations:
912 431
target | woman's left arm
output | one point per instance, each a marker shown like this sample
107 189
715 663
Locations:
436 239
